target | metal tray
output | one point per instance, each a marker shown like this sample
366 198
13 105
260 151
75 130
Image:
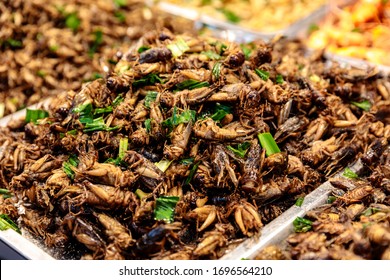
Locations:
237 33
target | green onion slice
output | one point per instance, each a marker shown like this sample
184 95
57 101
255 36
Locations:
299 201
221 111
241 149
7 223
348 173
211 55
192 173
165 208
163 164
34 115
148 125
178 47
364 105
268 143
279 79
264 75
191 84
302 225
123 145
216 71
150 97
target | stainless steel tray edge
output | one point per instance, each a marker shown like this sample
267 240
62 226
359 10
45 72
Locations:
23 246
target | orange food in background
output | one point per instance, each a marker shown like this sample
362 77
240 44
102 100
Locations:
360 30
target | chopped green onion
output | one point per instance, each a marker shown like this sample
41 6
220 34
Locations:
141 194
165 208
302 225
41 73
219 46
6 193
216 71
192 173
72 21
98 40
104 110
95 124
14 43
219 115
123 145
220 112
279 79
34 115
370 211
313 27
7 223
348 173
96 76
148 125
230 15
72 132
187 161
163 164
191 84
82 108
120 16
299 201
247 51
178 47
241 149
112 61
148 80
143 48
211 55
185 117
364 105
120 3
118 100
150 97
98 124
268 143
331 199
53 48
264 75
73 161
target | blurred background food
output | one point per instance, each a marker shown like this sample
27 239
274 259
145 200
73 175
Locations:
50 46
360 30
259 15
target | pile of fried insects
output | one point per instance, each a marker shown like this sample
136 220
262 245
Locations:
354 223
190 146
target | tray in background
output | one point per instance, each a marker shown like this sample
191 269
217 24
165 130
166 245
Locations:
235 32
